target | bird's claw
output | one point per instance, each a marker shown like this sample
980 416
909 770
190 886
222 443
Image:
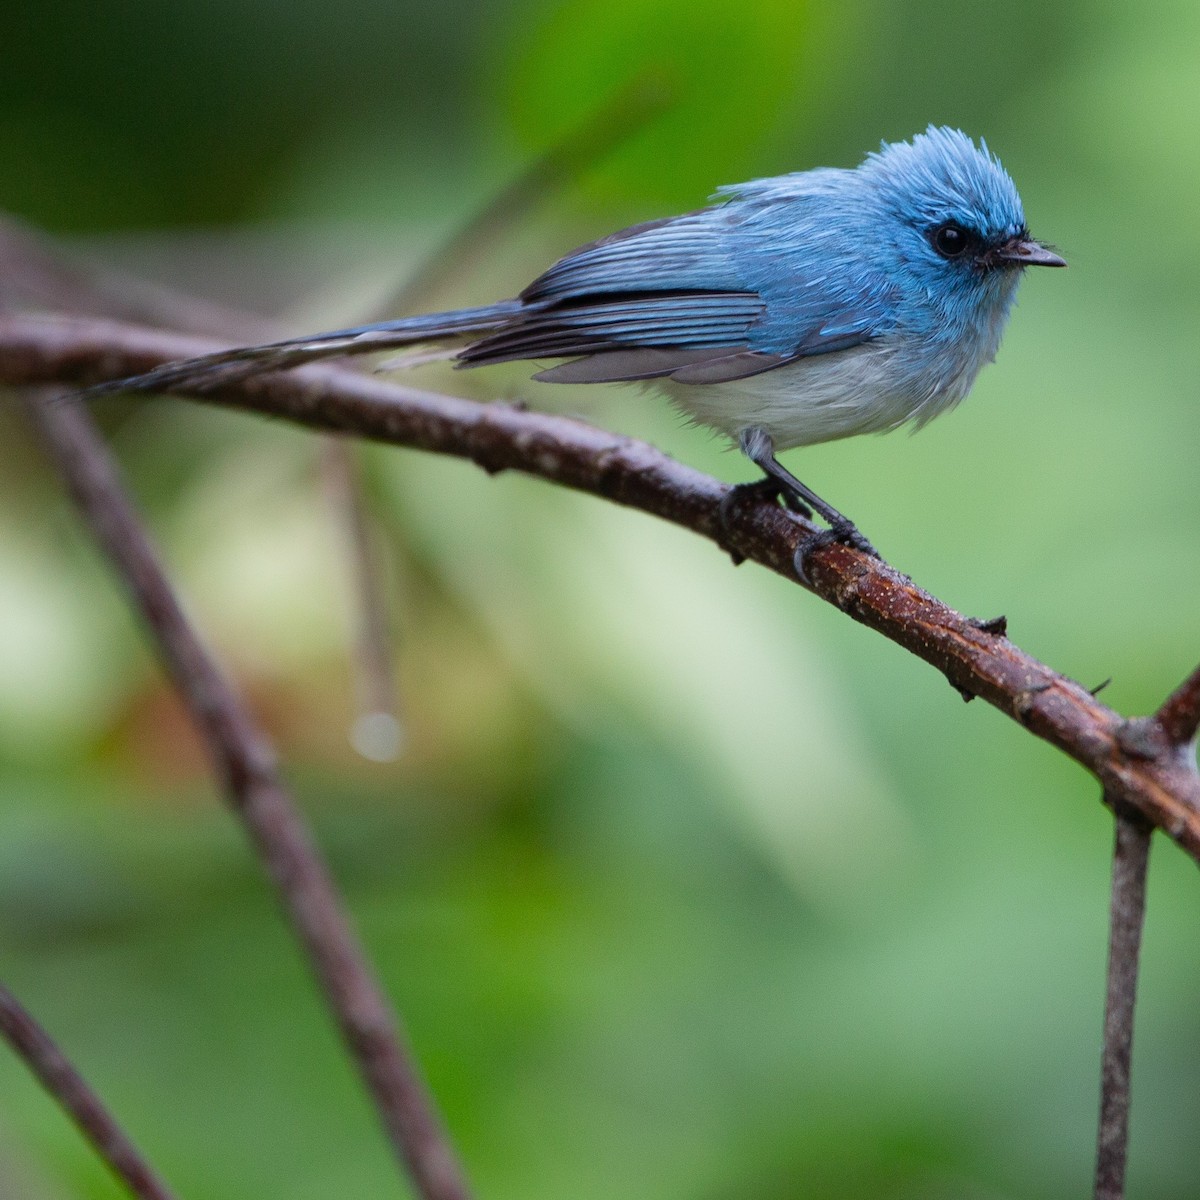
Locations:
846 534
849 535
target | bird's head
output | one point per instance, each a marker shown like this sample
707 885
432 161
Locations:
955 217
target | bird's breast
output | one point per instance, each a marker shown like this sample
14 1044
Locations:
866 389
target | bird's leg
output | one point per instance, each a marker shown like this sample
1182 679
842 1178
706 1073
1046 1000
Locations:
765 490
758 447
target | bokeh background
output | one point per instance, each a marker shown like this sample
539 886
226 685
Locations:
686 885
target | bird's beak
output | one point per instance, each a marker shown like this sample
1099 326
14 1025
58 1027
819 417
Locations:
1025 252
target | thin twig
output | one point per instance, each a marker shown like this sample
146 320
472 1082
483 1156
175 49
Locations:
1155 779
1131 853
378 733
40 1054
246 765
1179 717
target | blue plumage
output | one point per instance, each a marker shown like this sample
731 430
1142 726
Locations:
792 310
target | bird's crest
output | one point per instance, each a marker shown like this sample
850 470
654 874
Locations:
942 174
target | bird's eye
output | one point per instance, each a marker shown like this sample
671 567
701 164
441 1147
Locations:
951 240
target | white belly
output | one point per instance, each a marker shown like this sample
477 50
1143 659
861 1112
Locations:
868 389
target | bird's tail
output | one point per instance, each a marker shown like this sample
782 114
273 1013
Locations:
210 371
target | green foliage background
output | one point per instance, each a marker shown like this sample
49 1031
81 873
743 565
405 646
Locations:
686 886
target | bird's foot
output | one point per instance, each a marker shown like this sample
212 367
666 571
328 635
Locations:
761 491
844 532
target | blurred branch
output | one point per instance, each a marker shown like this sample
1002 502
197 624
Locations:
247 768
1131 855
625 114
378 732
1134 762
37 273
35 1046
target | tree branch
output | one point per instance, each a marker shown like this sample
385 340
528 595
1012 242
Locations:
1131 856
1179 716
35 1046
246 765
1135 764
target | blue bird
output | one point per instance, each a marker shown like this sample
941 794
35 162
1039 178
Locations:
792 310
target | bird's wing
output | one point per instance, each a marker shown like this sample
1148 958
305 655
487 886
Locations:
697 321
698 298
